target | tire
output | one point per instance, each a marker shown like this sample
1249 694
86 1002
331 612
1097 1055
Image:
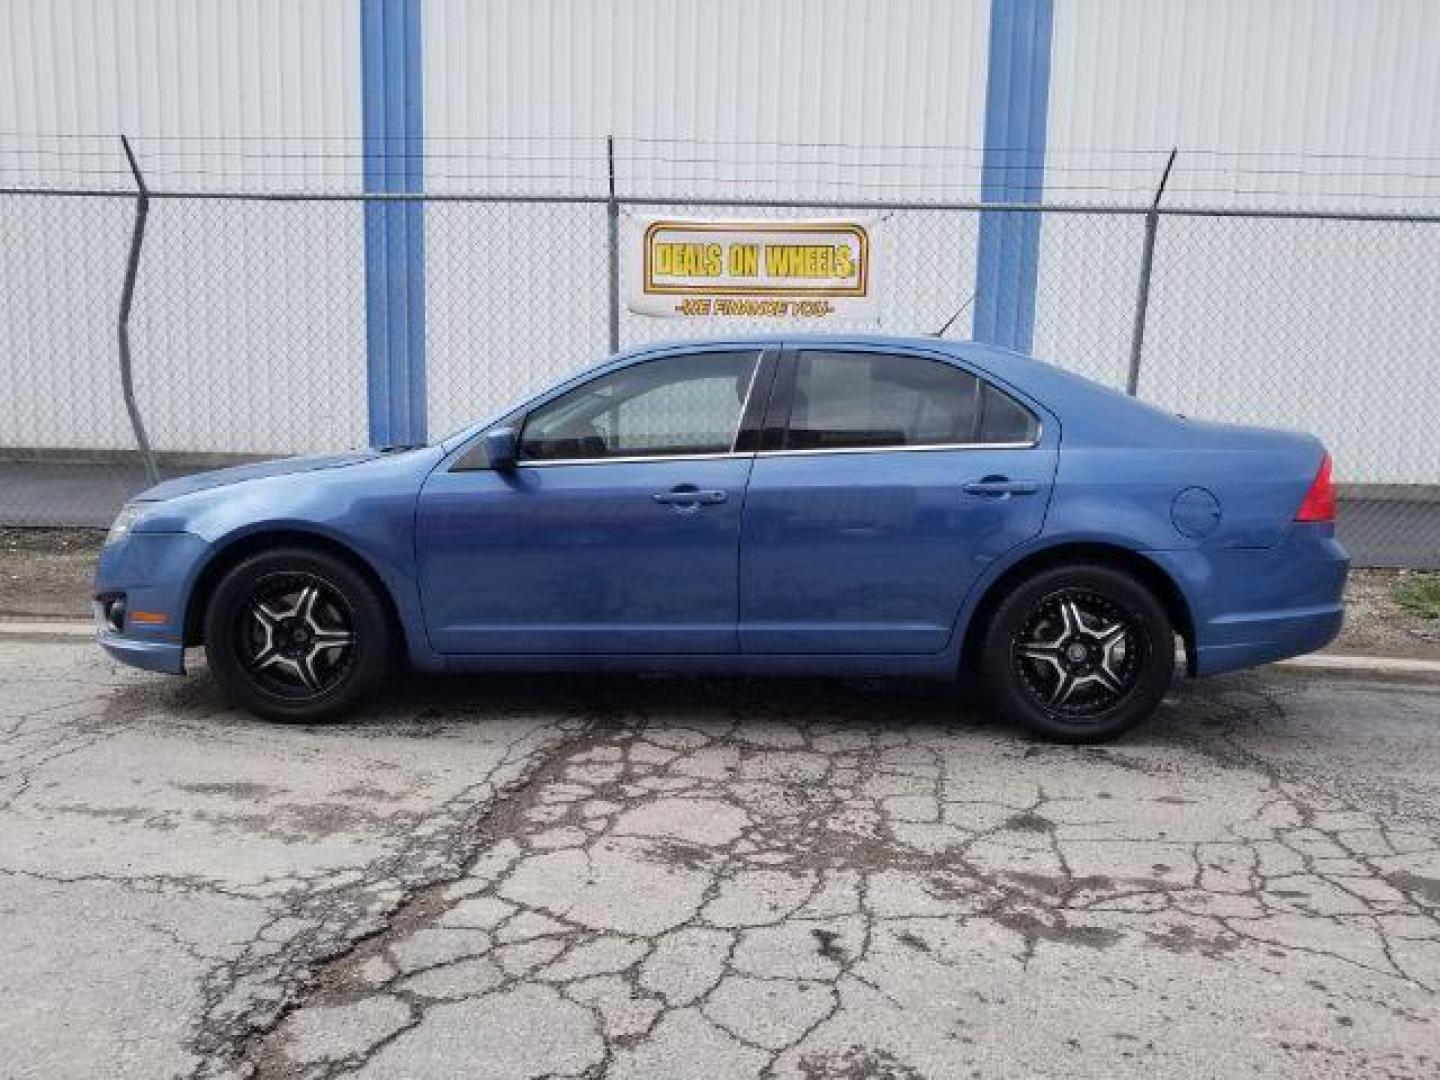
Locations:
297 636
1119 662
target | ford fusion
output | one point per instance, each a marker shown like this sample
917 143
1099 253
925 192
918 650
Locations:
820 505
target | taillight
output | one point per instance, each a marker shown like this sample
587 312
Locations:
1319 504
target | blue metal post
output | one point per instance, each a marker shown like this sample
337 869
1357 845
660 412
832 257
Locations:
393 126
1017 99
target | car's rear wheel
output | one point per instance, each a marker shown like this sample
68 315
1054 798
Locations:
297 635
1078 653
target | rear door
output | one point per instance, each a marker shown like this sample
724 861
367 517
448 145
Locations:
886 483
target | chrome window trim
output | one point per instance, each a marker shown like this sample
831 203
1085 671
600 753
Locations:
731 455
632 460
903 449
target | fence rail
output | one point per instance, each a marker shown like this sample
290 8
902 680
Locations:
742 202
241 322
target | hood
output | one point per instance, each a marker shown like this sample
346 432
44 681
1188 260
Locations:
203 481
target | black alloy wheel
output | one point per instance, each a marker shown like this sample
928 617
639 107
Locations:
297 635
1078 653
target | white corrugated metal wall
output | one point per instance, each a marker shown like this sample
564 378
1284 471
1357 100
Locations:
1266 101
799 71
1238 77
698 95
1279 104
243 311
210 84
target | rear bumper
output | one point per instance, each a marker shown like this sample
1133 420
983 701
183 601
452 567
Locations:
1253 606
1242 641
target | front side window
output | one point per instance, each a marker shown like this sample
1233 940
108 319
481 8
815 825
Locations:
689 404
855 400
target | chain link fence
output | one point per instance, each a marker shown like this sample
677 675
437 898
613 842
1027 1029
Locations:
248 327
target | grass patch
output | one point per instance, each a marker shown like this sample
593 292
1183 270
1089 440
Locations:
1420 595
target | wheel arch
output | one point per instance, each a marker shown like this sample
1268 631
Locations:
1146 571
231 554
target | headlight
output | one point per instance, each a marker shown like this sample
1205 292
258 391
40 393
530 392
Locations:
129 514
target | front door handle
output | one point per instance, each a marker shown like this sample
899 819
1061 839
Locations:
686 495
1001 485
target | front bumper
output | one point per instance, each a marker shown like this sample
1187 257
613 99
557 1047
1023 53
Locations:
162 656
154 573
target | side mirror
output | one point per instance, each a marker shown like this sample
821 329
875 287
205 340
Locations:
500 448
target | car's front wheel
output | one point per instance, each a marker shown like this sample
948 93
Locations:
1078 653
296 635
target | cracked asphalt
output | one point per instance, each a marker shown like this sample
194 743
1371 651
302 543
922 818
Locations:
691 878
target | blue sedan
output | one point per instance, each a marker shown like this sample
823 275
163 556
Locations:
821 505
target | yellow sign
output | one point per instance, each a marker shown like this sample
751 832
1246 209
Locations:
805 269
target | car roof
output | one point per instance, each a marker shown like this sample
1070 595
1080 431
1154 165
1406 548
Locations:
995 359
839 338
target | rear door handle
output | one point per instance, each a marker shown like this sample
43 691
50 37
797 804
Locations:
1001 485
689 496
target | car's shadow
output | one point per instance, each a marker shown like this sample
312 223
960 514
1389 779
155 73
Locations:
417 703
422 705
679 699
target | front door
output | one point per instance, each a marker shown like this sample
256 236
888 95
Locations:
618 530
888 482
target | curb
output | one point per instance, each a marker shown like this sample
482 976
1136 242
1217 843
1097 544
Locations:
1343 664
66 628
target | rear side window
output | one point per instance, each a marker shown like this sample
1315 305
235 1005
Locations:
856 400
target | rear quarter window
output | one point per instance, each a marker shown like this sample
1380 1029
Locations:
1005 420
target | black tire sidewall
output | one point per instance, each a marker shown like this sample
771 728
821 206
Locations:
368 665
1152 622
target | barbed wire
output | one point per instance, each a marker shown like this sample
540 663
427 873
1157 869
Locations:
600 141
490 164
